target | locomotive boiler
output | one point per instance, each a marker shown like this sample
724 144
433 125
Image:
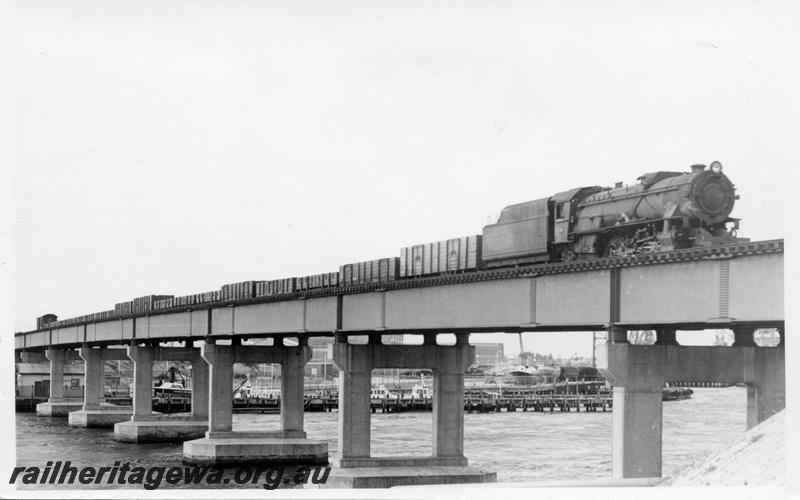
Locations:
662 211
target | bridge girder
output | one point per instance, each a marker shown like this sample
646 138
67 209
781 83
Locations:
706 293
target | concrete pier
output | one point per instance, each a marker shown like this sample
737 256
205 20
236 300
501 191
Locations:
145 426
94 412
287 445
356 468
638 373
58 405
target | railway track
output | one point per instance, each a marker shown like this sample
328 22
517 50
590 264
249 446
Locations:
531 271
688 254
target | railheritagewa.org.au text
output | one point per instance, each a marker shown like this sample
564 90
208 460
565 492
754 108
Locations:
151 478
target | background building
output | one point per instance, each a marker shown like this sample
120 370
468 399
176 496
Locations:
321 364
33 379
488 356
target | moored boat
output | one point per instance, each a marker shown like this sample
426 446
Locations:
382 393
171 389
676 393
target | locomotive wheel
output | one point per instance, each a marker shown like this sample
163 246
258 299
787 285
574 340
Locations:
566 255
615 247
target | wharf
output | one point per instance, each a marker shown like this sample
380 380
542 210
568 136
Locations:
541 403
583 397
484 404
183 404
477 404
24 404
587 397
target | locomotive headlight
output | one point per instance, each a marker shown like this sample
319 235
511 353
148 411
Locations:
716 167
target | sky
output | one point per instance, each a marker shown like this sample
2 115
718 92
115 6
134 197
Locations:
173 147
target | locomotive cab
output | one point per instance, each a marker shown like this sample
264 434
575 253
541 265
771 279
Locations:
565 210
535 231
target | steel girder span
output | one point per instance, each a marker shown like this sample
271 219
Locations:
720 291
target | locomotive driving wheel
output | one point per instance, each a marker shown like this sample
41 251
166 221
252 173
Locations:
616 247
566 255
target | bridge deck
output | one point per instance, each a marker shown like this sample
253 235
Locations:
707 287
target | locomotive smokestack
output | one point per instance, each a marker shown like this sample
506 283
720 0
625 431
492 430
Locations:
696 169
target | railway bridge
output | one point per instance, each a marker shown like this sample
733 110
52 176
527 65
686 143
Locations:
738 287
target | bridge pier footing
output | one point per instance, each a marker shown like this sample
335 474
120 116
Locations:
639 372
355 467
58 408
224 446
95 412
145 426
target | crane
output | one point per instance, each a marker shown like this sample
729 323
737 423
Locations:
171 373
239 387
522 357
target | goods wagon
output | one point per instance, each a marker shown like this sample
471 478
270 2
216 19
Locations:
456 254
145 304
371 271
45 320
317 281
276 287
241 290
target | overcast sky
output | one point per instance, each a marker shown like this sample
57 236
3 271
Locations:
171 148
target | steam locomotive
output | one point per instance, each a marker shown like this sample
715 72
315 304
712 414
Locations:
662 211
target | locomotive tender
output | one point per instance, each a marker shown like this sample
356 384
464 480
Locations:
663 211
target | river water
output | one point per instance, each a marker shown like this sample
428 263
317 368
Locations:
519 446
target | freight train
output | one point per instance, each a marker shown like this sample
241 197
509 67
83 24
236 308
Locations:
663 211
